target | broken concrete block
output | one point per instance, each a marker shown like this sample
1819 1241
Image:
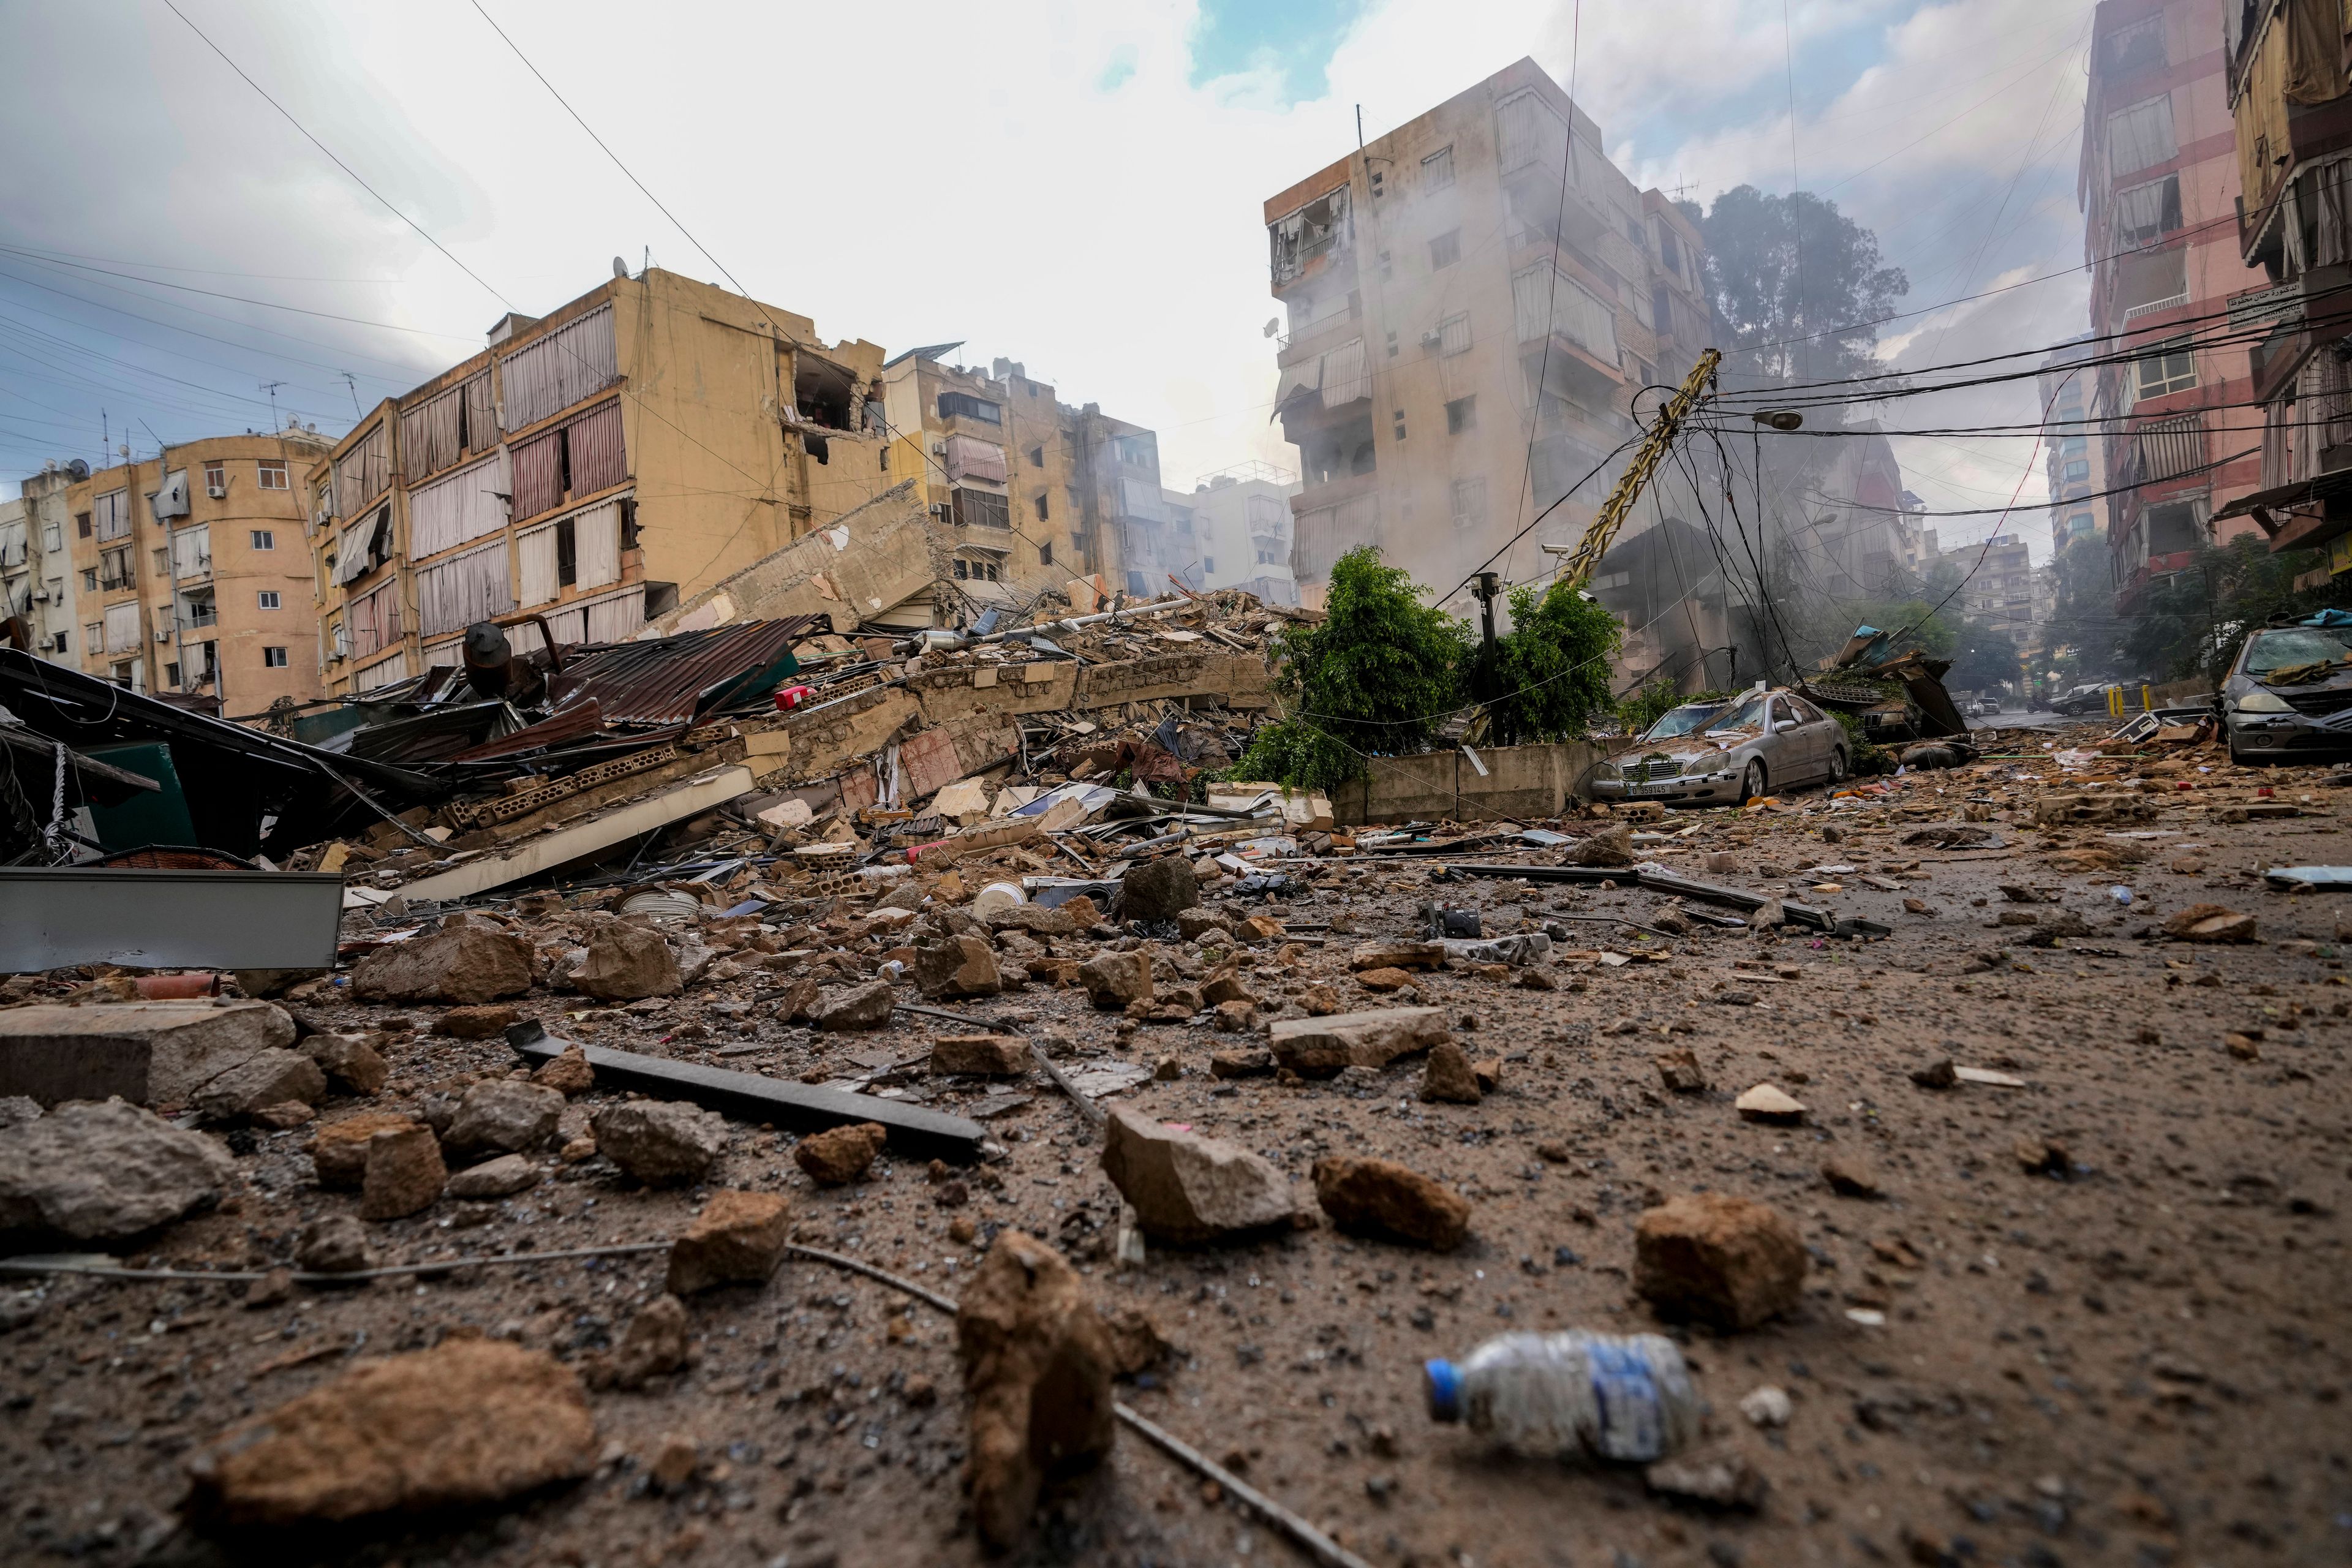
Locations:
865 1007
1157 892
1037 1365
983 1056
628 961
2197 922
1239 1061
1189 1189
105 1171
652 1345
1383 1198
477 1022
1117 979
1768 1102
504 1116
1612 846
1727 1261
336 1244
350 1064
956 966
840 1154
663 1143
1398 955
149 1053
1320 1047
567 1074
1680 1072
264 1078
339 1149
467 1422
500 1178
405 1174
1194 923
1447 1078
468 961
738 1238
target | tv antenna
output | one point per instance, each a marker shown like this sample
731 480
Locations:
271 387
353 382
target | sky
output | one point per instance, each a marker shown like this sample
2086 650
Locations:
1077 186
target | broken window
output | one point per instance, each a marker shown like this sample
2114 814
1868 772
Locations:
1460 415
963 405
567 554
1670 251
1039 503
825 392
2140 135
1304 235
1037 459
113 513
980 509
1445 250
1453 334
1437 170
2136 48
2174 527
2147 213
114 567
1045 553
1336 451
1469 498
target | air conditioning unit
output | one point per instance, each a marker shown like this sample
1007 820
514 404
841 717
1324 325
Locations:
163 634
218 492
1431 339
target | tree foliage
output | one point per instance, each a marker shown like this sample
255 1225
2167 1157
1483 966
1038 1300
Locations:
1792 268
1549 673
2193 622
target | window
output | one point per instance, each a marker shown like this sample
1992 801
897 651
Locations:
273 658
628 522
1454 335
265 539
885 455
1040 504
567 552
53 537
1460 415
1037 459
114 567
81 524
1045 553
1437 170
2171 367
171 675
2136 48
2146 213
2140 136
64 643
1445 250
2075 446
1670 251
1209 564
215 479
958 404
1400 424
162 562
273 476
89 581
93 636
2077 471
268 598
1469 502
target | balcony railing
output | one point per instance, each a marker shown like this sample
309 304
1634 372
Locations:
195 619
2170 302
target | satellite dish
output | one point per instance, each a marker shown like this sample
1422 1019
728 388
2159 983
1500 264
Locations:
1273 325
620 268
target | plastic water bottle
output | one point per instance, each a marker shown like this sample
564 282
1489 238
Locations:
1624 1397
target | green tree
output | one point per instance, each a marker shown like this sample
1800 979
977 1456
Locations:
1794 267
2193 622
1376 676
1550 675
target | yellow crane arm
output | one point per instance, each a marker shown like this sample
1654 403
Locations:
1696 387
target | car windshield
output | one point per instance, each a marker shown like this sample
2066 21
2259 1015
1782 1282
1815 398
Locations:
1748 715
1683 720
2285 648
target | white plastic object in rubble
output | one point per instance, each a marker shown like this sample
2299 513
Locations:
997 895
1614 1396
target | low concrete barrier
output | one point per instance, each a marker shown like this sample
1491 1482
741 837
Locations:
1519 782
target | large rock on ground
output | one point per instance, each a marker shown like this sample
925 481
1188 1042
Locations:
1727 1261
983 1056
1447 1079
468 962
738 1238
350 1064
477 1022
1383 1198
504 1116
1156 892
661 1142
1117 979
1187 1188
1320 1048
102 1172
1612 846
956 966
266 1078
1037 1365
471 1422
500 1178
339 1150
865 1007
405 1174
839 1155
627 963
149 1053
2210 923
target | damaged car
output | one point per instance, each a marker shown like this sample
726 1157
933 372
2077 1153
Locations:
2289 694
1724 753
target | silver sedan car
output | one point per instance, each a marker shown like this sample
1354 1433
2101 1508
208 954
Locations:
1726 753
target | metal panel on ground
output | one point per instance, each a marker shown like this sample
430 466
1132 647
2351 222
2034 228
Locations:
55 916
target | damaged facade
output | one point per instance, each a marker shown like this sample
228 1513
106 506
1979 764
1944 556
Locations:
1240 519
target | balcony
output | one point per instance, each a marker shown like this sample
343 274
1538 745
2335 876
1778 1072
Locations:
2156 307
199 616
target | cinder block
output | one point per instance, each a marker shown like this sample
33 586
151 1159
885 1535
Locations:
150 1053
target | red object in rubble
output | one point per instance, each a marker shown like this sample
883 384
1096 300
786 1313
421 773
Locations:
790 698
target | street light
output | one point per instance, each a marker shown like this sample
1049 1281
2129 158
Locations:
1780 419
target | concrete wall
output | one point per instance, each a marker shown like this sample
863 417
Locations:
857 565
1521 782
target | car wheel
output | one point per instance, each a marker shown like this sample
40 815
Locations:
1837 766
1752 782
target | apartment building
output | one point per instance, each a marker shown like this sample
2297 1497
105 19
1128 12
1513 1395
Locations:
586 469
2074 460
1241 517
1474 284
38 579
2001 587
2159 185
1037 492
190 574
2290 98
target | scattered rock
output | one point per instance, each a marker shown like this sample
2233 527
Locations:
1115 980
1722 1480
468 961
981 1056
865 1007
1227 987
504 1116
1383 1198
1157 892
1193 924
1379 956
674 1461
1766 1406
339 1149
1320 1001
266 1078
1137 1346
2210 922
626 961
1037 1365
1189 1189
1235 1018
481 1023
1767 916
337 1243
1768 1102
405 1174
1850 1178
956 966
1319 1047
467 1422
1251 1061
492 1179
1680 1072
1935 1073
2042 1156
16 1109
103 1171
567 1073
2246 1045
1612 846
654 1344
1447 1078
661 1142
1385 980
350 1063
1727 1261
840 1154
738 1238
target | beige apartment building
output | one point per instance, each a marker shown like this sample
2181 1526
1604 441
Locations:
1474 302
38 579
588 467
190 575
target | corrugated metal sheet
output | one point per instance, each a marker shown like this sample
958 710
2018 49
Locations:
621 615
575 361
569 723
538 475
454 593
598 462
669 680
459 507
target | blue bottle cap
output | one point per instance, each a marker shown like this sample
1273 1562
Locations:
1443 1382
